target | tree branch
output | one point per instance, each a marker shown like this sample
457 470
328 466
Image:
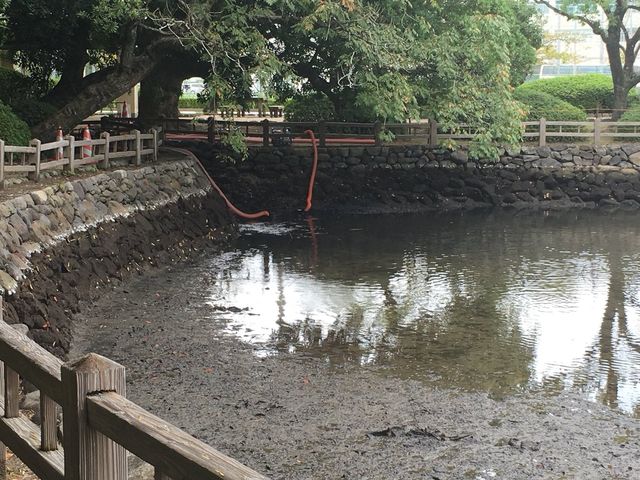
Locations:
595 25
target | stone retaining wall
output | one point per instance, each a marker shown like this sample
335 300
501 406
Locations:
414 178
61 244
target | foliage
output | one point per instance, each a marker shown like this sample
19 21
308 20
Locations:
32 111
309 108
383 59
14 85
549 52
631 115
587 92
388 60
190 102
235 143
48 35
13 130
543 105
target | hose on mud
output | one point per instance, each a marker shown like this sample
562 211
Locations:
230 206
314 169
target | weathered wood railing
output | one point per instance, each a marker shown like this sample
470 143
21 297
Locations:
99 424
70 153
268 132
427 132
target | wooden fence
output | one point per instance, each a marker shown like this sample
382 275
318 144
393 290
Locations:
99 424
268 132
339 133
70 153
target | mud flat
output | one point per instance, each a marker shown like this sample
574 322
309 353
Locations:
293 416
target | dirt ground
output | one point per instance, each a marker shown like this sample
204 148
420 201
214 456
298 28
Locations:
290 416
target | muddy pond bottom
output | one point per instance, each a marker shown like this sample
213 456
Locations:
484 346
501 303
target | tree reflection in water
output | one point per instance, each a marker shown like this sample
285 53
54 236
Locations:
493 302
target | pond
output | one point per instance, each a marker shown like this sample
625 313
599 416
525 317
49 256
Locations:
468 345
496 302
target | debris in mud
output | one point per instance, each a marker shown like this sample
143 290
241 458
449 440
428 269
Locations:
418 432
232 309
519 444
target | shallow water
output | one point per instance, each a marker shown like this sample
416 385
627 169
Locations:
490 302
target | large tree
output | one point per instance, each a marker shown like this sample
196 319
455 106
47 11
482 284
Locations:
454 59
609 20
124 40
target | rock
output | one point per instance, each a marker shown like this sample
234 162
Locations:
31 401
635 158
39 197
546 163
7 282
460 157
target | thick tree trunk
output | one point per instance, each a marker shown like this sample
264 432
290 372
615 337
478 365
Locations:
161 89
620 100
72 73
618 74
159 95
97 90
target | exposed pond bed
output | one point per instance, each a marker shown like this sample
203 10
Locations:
469 345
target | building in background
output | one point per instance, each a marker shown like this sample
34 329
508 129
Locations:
571 48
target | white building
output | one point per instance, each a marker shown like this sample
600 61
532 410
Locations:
579 41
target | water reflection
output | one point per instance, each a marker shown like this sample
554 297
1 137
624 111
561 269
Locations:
494 302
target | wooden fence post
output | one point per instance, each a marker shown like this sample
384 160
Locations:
597 130
377 129
71 153
2 180
154 132
37 144
211 129
137 147
542 135
433 133
105 161
322 133
88 454
3 447
265 133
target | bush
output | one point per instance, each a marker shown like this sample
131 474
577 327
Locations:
309 108
13 130
631 115
14 85
542 105
32 111
587 92
190 102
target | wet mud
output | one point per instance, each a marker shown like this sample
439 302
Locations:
293 416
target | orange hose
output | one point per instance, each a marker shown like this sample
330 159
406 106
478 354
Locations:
314 169
231 206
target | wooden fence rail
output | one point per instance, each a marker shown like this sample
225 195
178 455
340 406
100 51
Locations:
429 132
69 153
100 424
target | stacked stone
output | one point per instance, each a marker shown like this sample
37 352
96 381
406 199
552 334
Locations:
59 243
418 178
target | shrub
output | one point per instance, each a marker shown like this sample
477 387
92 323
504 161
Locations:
631 115
32 111
14 85
543 105
190 102
587 92
309 108
13 130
